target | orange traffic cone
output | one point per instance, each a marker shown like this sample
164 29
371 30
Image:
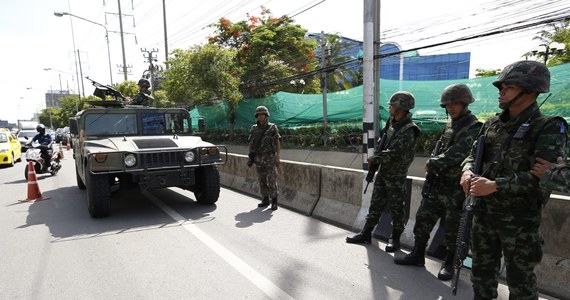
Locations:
34 193
68 145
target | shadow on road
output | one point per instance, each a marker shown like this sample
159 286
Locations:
257 215
65 213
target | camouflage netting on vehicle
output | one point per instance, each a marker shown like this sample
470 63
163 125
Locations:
290 110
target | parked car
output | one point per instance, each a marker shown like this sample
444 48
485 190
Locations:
10 149
62 135
24 136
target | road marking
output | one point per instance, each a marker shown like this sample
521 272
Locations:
264 284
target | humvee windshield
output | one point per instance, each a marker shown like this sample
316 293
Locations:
152 123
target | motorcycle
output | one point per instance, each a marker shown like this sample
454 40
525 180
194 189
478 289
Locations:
34 154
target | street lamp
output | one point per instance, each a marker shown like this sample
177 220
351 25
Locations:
545 50
61 14
297 84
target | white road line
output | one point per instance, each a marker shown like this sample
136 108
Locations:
264 284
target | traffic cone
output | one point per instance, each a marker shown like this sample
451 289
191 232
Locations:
68 145
34 193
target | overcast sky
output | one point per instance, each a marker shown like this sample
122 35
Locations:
34 39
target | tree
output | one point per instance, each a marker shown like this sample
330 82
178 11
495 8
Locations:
128 88
268 51
479 72
555 32
203 75
341 77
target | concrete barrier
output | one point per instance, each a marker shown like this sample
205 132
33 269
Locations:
334 195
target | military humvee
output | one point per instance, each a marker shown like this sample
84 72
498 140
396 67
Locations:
117 146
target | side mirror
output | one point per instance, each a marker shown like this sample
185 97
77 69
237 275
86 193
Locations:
73 126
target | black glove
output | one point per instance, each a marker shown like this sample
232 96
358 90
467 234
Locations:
250 161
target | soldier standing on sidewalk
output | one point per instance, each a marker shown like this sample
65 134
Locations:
264 148
394 160
445 197
508 212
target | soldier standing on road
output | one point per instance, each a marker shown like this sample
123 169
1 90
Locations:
264 148
552 176
446 196
507 218
394 161
143 97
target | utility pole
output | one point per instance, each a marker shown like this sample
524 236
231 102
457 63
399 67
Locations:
148 54
122 40
165 34
81 73
376 70
368 134
324 50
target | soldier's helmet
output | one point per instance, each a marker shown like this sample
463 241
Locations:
459 92
261 110
530 75
144 82
402 100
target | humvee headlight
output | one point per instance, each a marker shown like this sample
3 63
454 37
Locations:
130 160
189 156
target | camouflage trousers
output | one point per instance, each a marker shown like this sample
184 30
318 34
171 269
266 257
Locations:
388 192
448 207
266 175
519 240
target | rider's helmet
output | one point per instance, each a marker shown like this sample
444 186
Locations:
456 93
261 110
41 129
530 75
143 82
402 100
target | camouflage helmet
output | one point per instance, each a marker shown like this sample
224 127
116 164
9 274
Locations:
144 82
402 100
261 110
456 93
530 75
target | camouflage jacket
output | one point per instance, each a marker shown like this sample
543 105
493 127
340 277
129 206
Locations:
143 98
265 137
509 163
399 151
557 179
458 137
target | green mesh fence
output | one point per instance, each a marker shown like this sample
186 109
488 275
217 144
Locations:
289 110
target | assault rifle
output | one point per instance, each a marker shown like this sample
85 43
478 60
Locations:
373 168
102 90
462 242
430 176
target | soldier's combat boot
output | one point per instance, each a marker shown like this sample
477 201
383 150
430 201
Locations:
264 202
414 258
446 272
364 237
274 203
393 243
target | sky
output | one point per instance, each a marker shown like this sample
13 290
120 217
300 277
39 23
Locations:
34 39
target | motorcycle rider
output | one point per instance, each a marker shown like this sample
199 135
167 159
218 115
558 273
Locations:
44 140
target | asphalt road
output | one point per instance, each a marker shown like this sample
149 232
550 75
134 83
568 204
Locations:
162 245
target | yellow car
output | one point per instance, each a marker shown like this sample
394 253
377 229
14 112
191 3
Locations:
10 148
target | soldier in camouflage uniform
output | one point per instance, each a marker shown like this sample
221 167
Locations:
143 97
552 176
507 218
264 148
394 161
445 198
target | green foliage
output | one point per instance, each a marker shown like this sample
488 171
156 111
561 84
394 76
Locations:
479 72
128 88
341 77
268 49
161 99
201 75
68 107
555 32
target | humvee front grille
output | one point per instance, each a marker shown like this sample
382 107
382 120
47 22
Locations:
161 159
